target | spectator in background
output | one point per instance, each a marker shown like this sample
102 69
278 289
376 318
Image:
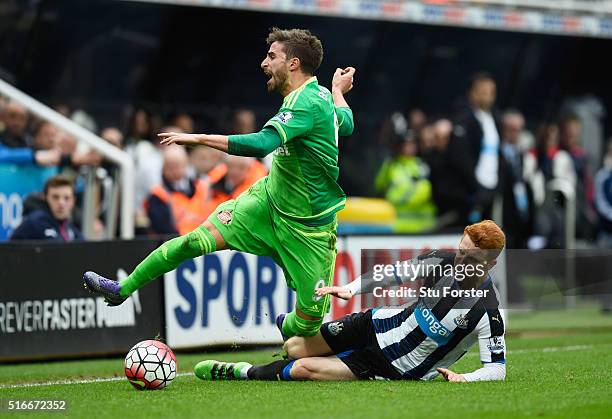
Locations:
518 207
569 140
62 109
184 121
139 127
426 139
240 173
554 162
474 151
3 102
45 152
555 165
178 204
244 121
207 162
603 205
146 153
442 177
403 181
54 221
603 199
417 121
15 119
113 135
45 136
72 157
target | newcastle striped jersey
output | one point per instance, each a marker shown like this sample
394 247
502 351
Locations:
438 329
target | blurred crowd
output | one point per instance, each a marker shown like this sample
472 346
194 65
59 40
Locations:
441 172
176 188
478 163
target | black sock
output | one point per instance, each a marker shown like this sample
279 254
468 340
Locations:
271 371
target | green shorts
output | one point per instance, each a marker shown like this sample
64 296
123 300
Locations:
306 254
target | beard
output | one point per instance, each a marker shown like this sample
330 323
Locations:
279 81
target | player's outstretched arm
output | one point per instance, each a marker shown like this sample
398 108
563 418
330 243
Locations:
492 371
258 144
339 292
220 142
384 276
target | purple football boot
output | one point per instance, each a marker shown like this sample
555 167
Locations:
105 287
279 323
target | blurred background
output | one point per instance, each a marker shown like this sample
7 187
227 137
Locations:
464 110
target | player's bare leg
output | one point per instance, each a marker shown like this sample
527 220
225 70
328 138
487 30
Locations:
307 346
317 368
328 368
202 240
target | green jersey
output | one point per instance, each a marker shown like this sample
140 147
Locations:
303 180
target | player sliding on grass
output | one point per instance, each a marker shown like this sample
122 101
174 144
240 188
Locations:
289 215
413 343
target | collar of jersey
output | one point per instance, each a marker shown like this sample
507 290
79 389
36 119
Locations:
310 80
290 99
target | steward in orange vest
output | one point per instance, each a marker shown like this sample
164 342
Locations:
236 175
175 210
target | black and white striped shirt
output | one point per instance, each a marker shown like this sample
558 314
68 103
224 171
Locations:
436 331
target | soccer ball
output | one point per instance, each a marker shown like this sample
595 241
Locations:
150 365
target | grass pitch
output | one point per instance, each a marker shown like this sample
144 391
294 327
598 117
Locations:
559 365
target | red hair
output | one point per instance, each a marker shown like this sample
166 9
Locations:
486 235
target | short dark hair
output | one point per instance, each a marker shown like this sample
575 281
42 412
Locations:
58 181
299 43
566 117
480 77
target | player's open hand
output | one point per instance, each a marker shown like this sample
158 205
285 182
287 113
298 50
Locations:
451 376
168 138
343 79
339 292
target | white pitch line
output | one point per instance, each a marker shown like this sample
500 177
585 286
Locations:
184 374
69 382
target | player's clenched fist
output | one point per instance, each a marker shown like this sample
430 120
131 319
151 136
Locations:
343 79
451 376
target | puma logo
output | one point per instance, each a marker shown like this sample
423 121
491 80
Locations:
496 318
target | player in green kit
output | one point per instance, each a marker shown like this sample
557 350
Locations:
289 215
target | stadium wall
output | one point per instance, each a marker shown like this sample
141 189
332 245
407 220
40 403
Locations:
45 312
226 298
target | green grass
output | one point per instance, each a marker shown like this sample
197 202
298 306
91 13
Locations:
565 372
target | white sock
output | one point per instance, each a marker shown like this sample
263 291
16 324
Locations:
244 371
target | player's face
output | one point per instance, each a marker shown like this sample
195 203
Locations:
276 66
61 202
469 254
483 94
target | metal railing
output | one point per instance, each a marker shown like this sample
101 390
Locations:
112 153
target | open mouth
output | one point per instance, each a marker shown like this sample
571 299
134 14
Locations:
271 77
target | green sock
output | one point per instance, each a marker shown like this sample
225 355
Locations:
294 325
167 257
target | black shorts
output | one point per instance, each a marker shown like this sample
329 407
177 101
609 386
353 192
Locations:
353 340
